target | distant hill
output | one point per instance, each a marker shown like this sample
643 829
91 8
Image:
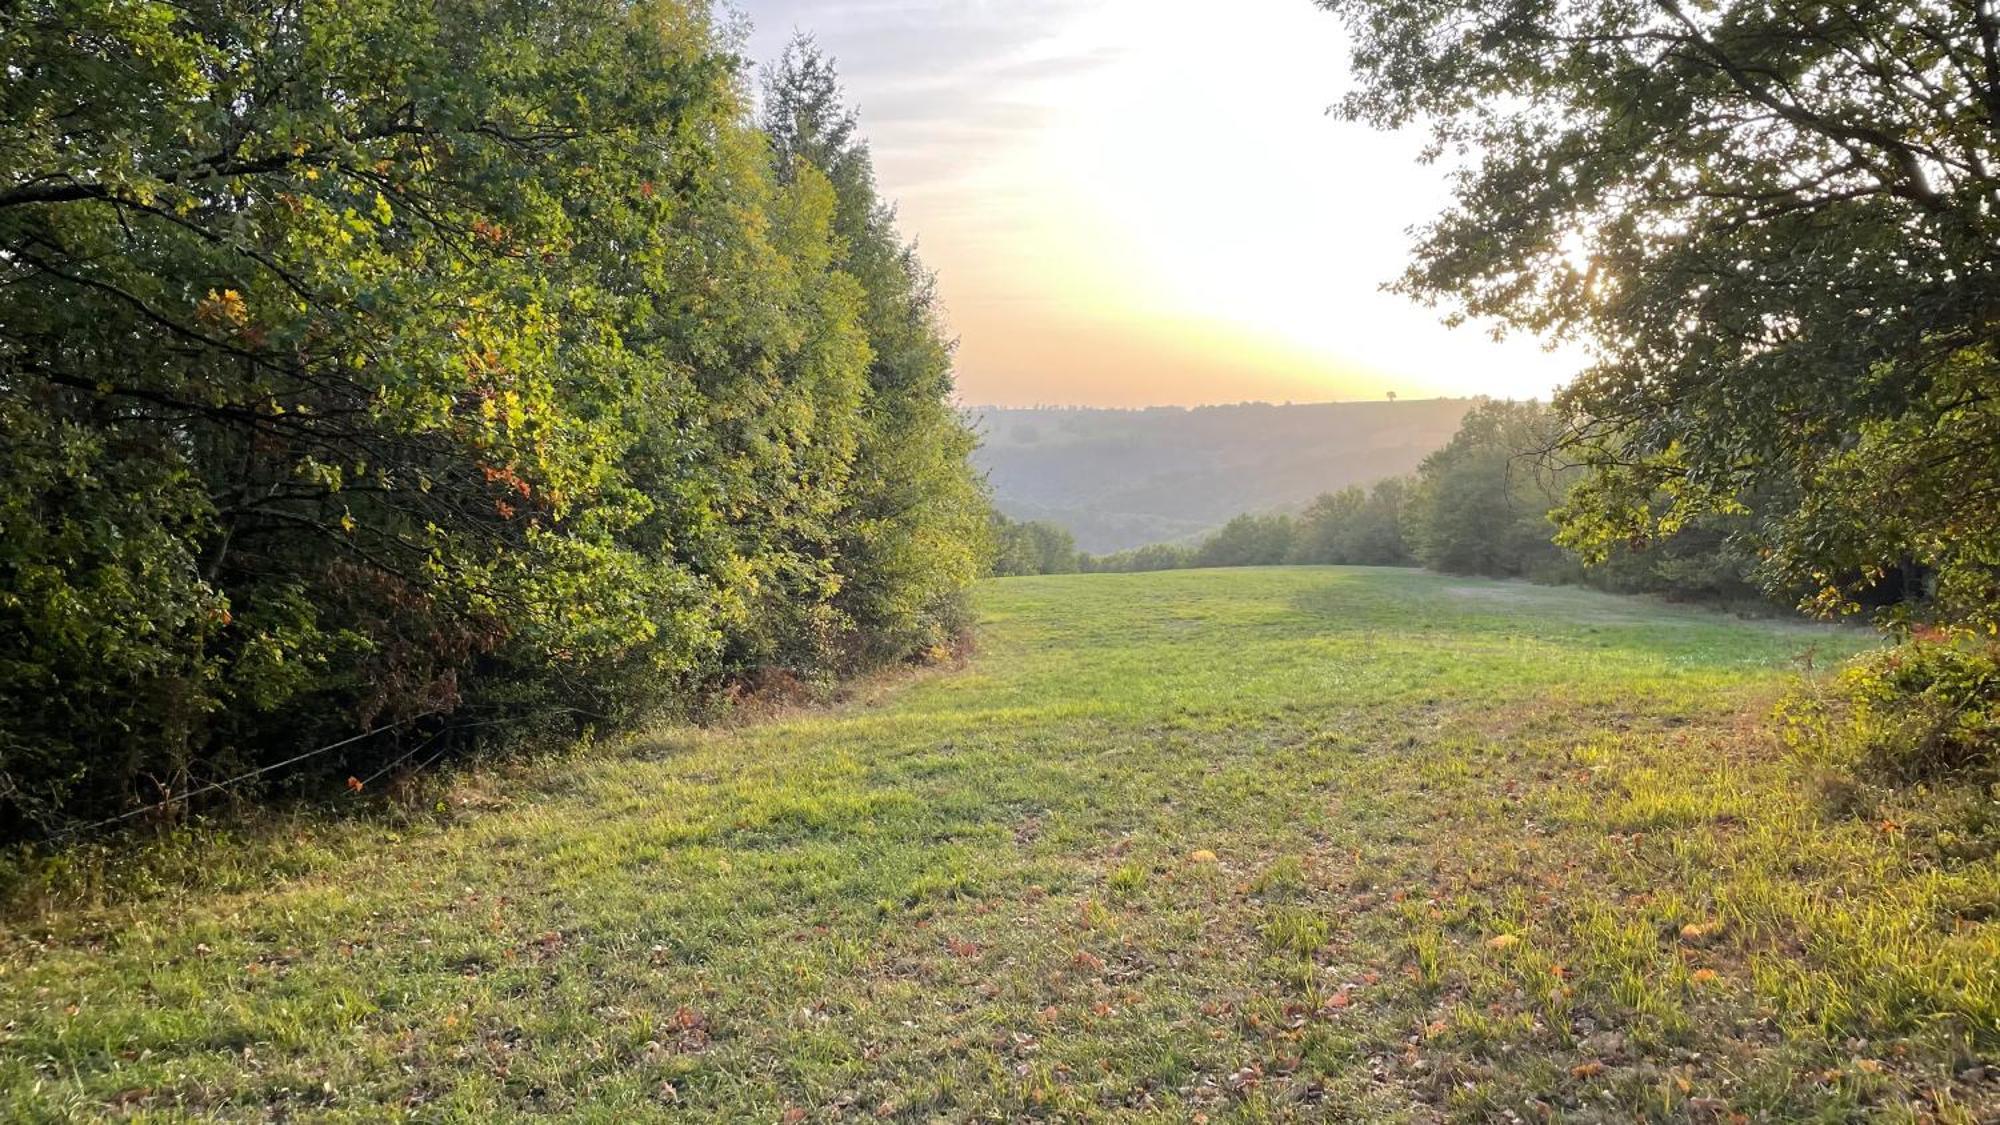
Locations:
1126 478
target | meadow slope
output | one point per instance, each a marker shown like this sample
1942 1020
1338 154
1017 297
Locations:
1261 844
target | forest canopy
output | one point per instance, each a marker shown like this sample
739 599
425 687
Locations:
394 378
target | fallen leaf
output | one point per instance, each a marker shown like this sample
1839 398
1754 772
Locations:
1591 1069
1700 931
1504 941
1203 856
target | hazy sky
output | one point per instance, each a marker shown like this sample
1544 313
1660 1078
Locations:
1136 202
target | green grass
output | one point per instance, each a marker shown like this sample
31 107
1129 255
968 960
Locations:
1267 844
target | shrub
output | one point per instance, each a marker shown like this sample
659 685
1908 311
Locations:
1923 710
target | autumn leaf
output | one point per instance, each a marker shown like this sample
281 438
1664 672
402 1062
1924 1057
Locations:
1591 1069
1700 931
1504 941
222 310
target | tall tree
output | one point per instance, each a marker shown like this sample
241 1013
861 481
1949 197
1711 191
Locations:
363 363
1481 504
1775 222
914 530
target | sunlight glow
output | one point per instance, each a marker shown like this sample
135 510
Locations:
1133 202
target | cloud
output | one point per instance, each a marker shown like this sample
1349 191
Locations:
930 73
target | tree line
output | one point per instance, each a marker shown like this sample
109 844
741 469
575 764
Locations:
382 381
1485 504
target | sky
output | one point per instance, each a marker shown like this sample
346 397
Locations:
1144 202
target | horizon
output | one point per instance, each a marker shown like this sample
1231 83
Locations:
1138 202
1400 400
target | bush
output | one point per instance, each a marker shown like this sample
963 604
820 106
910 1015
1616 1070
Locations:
1925 710
1929 707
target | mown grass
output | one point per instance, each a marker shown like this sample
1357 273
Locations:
1266 844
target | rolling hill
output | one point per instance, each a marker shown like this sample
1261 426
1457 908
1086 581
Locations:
1126 478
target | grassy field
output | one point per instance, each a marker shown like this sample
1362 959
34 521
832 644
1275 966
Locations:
1257 845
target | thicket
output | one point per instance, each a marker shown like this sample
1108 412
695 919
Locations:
396 378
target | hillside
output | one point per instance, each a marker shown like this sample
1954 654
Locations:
1126 478
1256 844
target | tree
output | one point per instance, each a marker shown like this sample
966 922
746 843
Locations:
1481 504
373 374
1356 528
1248 540
1156 556
913 532
1774 223
1032 547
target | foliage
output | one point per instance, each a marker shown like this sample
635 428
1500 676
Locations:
1711 559
1031 548
1158 556
1480 505
1248 540
1922 711
421 371
913 531
1356 528
1773 222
